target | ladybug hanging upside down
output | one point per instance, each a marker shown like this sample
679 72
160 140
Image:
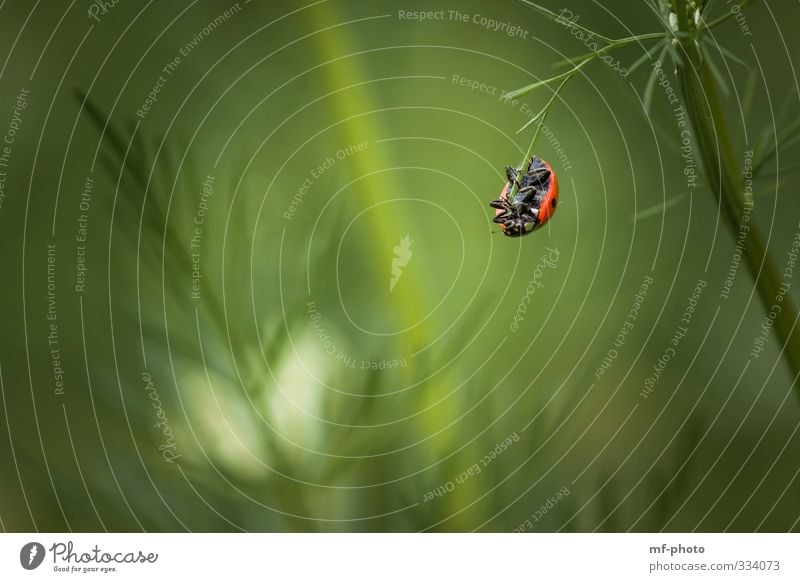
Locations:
532 205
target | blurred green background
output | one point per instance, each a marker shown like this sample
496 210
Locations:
293 388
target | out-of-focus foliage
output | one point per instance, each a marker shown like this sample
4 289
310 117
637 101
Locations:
238 358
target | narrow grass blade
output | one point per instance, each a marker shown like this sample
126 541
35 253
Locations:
651 84
749 94
731 12
543 112
718 76
660 208
538 84
709 5
647 55
769 144
676 56
559 19
781 172
725 52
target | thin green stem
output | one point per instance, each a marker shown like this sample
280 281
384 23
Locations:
784 139
582 61
558 18
731 13
541 116
544 111
660 207
614 45
648 54
528 88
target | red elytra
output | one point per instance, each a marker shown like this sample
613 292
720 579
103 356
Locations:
548 206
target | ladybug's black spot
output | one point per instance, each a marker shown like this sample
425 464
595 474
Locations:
554 202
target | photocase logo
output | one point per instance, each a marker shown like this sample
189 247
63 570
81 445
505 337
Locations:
31 555
402 256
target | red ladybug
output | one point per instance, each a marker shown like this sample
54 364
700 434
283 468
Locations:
533 204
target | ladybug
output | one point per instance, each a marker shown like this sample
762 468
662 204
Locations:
533 204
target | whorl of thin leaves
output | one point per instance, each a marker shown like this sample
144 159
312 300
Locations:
686 38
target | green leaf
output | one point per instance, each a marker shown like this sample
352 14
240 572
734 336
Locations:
725 52
789 141
660 208
749 94
718 76
611 47
676 56
709 5
558 19
543 112
781 171
526 89
768 147
538 84
647 55
651 84
773 190
726 16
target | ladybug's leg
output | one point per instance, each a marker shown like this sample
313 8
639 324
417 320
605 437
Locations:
539 176
511 174
504 216
527 194
539 172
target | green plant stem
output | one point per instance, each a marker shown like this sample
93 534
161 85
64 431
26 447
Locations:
613 45
542 115
550 15
719 162
730 14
